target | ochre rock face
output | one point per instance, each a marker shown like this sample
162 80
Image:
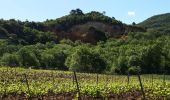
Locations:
91 32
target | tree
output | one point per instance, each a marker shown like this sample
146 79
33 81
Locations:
28 57
54 58
44 37
83 60
67 41
151 58
134 60
121 65
134 64
46 60
3 33
133 23
76 12
104 12
134 70
10 60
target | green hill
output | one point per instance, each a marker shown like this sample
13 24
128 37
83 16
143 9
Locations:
160 23
89 27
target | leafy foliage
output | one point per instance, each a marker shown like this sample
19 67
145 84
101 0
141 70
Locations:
41 83
85 60
36 45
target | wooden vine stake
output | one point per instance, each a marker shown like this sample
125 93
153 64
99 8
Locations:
152 80
27 85
73 79
164 78
77 85
52 74
128 77
97 82
97 79
142 89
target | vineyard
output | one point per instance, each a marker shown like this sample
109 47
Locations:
26 84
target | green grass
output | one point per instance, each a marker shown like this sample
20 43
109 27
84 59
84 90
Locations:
41 82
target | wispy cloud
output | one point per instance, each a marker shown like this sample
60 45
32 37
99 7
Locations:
131 13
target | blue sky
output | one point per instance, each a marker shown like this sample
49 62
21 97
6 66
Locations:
127 11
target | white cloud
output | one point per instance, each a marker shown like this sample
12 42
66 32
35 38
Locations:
131 13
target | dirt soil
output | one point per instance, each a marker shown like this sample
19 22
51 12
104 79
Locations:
68 96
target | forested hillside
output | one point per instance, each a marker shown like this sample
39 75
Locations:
90 28
91 42
157 23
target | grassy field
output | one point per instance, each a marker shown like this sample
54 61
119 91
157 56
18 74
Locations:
24 84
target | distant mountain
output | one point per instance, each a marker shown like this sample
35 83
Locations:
159 23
